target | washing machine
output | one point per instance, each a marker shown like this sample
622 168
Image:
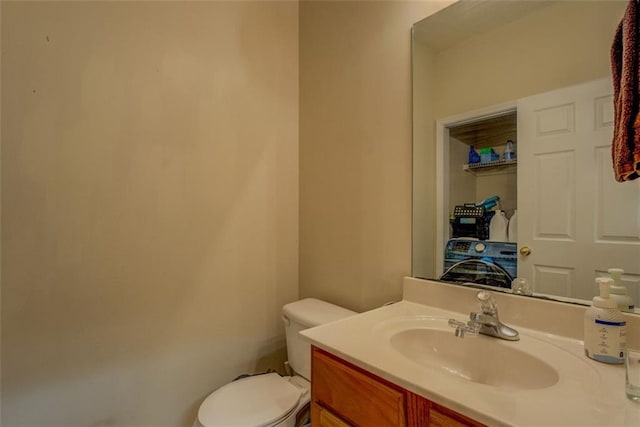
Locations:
481 262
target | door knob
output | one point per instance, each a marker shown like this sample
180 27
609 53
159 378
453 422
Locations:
525 251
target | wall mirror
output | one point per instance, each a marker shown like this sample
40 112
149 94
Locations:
536 73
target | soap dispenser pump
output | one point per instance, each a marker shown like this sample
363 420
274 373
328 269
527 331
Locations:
619 290
604 327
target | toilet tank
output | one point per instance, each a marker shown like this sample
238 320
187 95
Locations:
304 314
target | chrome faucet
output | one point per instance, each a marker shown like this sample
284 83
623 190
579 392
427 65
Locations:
486 323
488 320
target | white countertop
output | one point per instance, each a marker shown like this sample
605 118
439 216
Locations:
588 393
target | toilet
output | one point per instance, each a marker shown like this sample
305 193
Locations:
267 400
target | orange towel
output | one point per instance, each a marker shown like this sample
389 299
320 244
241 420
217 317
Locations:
625 66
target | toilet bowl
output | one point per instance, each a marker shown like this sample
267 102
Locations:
269 400
261 400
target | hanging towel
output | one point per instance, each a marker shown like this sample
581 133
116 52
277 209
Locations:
625 52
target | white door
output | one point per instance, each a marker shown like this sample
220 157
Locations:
575 219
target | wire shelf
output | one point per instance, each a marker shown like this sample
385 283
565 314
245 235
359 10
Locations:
486 165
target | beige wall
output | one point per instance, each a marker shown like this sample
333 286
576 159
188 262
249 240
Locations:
150 205
355 149
556 46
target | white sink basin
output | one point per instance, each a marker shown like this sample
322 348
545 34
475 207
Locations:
479 359
508 365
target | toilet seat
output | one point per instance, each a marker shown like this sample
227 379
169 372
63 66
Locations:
260 401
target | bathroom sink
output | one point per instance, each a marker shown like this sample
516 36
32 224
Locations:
430 343
475 358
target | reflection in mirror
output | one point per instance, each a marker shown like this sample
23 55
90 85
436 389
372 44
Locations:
536 73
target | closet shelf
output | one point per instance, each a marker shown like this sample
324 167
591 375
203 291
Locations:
486 166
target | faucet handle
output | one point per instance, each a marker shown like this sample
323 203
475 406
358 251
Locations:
456 323
462 328
487 303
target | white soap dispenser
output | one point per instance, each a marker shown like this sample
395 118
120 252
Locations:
619 290
604 327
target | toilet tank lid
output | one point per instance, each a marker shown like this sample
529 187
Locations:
313 312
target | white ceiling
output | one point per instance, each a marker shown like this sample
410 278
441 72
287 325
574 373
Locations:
468 17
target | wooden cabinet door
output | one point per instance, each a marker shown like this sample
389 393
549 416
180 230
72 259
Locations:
344 395
355 395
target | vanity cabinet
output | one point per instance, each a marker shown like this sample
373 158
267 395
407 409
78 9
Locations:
344 395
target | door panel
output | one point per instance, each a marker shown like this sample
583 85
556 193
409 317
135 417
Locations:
556 280
555 180
617 207
577 220
555 120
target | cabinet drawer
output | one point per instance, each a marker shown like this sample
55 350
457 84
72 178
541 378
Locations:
359 398
327 419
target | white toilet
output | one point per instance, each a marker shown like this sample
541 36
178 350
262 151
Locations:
271 400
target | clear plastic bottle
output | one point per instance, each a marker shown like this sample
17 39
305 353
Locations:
509 153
